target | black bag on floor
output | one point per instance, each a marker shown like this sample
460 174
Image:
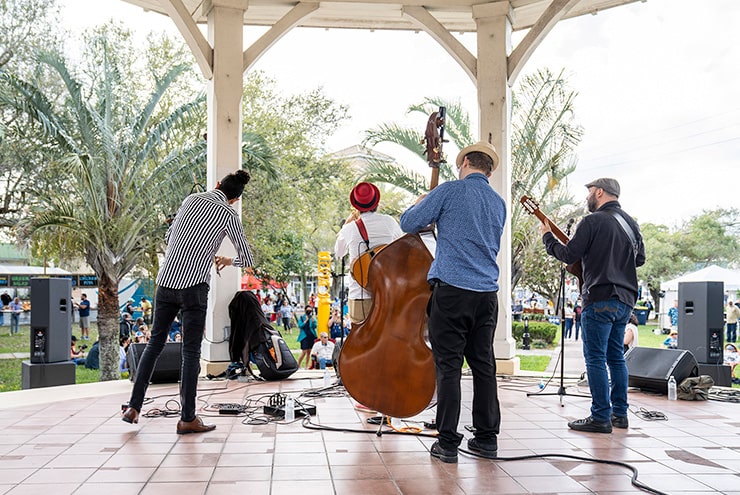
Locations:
273 358
253 339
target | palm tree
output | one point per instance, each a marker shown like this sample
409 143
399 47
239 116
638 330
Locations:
121 176
544 137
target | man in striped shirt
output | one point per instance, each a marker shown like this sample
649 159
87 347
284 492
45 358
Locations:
194 236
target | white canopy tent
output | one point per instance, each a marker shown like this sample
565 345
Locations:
712 273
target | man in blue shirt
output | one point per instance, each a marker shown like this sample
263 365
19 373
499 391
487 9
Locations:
84 309
463 308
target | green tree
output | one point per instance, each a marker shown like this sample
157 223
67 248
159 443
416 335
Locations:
663 260
117 170
294 215
705 239
26 26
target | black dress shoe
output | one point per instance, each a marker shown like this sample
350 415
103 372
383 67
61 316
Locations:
194 426
130 415
489 450
589 425
620 422
445 455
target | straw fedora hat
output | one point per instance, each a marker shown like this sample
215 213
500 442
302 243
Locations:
482 147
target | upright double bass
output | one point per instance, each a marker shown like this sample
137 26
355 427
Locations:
385 363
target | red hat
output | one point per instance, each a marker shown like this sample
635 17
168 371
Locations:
364 197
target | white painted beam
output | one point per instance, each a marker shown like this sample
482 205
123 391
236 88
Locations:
549 18
277 31
441 35
195 40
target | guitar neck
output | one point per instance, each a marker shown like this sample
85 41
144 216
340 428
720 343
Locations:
559 234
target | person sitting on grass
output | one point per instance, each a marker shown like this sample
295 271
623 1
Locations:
75 354
671 342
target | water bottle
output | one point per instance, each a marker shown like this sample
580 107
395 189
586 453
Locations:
289 409
672 394
327 378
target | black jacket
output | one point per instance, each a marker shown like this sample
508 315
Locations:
605 250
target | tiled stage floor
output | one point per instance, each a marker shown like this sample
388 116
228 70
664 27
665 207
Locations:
70 440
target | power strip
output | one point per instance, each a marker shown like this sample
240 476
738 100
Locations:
230 409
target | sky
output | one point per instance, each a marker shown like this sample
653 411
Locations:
657 82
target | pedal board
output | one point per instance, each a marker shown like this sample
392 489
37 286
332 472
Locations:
279 411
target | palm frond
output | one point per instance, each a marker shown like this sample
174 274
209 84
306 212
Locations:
391 173
396 134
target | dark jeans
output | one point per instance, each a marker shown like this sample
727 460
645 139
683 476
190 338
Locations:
14 320
731 332
193 302
568 327
462 324
603 345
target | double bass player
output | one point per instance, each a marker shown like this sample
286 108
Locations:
463 308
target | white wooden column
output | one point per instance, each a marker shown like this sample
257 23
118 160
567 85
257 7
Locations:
225 35
494 104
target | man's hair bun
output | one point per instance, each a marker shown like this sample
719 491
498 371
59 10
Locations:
242 176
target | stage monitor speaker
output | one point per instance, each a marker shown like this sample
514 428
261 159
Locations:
649 369
167 368
701 320
51 319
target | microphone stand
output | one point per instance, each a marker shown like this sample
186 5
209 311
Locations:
341 322
561 302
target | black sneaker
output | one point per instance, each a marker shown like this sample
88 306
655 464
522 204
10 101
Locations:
620 422
588 424
444 455
484 449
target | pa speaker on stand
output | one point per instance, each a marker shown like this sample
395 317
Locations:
701 320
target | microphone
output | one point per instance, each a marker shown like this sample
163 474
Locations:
341 224
571 222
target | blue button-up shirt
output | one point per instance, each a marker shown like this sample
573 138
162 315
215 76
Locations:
470 219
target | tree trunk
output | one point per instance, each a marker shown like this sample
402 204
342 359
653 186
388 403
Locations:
108 328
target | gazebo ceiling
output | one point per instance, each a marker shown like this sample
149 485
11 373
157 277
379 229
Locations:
454 15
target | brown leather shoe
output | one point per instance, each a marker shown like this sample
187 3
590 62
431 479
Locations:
194 426
130 415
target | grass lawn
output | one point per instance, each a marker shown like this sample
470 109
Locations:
10 369
533 362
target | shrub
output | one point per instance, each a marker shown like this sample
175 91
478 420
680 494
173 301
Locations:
538 331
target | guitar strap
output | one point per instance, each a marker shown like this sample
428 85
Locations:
627 229
363 232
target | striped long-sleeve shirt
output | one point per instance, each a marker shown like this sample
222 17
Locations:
196 233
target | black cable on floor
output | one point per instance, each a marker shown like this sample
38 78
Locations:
634 481
307 423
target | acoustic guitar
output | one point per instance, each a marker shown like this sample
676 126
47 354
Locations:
531 207
361 265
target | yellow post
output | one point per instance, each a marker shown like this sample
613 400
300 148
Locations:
324 301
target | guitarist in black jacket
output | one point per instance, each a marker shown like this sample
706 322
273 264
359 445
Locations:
609 244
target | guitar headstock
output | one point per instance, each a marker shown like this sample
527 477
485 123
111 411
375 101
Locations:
529 204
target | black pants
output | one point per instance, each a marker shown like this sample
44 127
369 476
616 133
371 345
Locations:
461 325
193 302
